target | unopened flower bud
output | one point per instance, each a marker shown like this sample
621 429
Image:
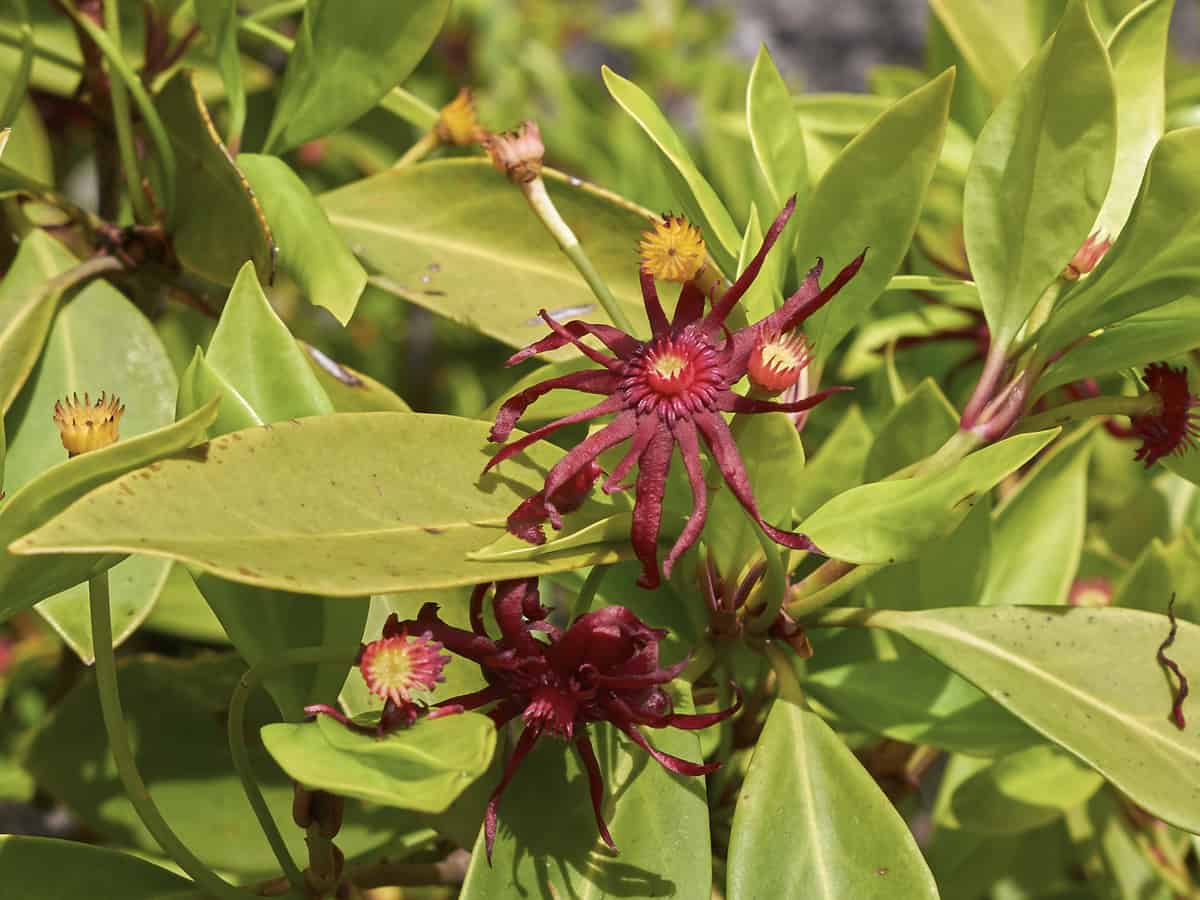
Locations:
458 122
777 360
1094 591
1086 257
88 426
518 154
673 250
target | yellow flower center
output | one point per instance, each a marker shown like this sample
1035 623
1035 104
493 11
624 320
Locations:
88 426
673 250
458 123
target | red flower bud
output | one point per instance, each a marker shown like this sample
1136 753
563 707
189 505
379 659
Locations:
776 361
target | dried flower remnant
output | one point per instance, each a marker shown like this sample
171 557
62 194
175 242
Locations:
1172 428
603 668
666 392
1086 257
88 426
1167 662
518 154
400 668
527 519
458 122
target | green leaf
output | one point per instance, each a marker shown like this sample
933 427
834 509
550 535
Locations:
176 713
871 197
311 253
775 134
700 202
658 820
219 21
346 59
218 221
917 700
912 431
1040 172
28 300
1088 679
24 581
477 234
1018 792
803 771
1138 49
888 521
996 39
181 611
1153 261
552 406
349 390
868 351
46 869
1160 571
352 521
1048 510
422 768
1168 331
837 465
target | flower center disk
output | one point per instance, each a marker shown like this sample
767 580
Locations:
674 375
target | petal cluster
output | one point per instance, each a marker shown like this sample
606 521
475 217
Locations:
1173 428
666 393
88 426
603 668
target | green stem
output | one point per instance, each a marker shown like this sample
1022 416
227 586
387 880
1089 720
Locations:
278 10
123 123
785 673
118 741
840 579
418 151
158 134
1068 413
544 208
11 36
301 656
774 587
841 617
587 593
270 35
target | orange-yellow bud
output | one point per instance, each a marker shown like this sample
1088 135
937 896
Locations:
88 426
458 122
673 250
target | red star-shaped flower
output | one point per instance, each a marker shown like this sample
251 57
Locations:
669 391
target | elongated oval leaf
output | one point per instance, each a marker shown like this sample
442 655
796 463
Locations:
1040 172
871 197
775 133
310 252
422 768
46 869
701 203
888 521
996 39
1088 679
452 236
346 58
844 838
373 503
352 391
219 21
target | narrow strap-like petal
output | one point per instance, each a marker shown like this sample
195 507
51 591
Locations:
801 305
595 784
689 448
647 507
654 310
528 738
727 300
620 343
619 429
725 454
666 760
690 305
477 596
732 402
649 679
474 700
609 405
589 381
591 353
694 721
648 426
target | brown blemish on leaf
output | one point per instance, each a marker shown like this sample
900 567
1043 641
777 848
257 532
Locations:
429 529
250 573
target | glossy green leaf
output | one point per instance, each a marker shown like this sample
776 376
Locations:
912 431
477 235
23 580
1088 679
1048 510
917 700
844 837
352 521
219 21
775 134
700 202
311 253
996 39
181 611
1163 569
1168 331
867 352
422 768
28 301
837 465
888 521
1138 50
658 820
1020 792
219 223
871 197
349 390
46 869
1040 172
346 59
1154 260
176 713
